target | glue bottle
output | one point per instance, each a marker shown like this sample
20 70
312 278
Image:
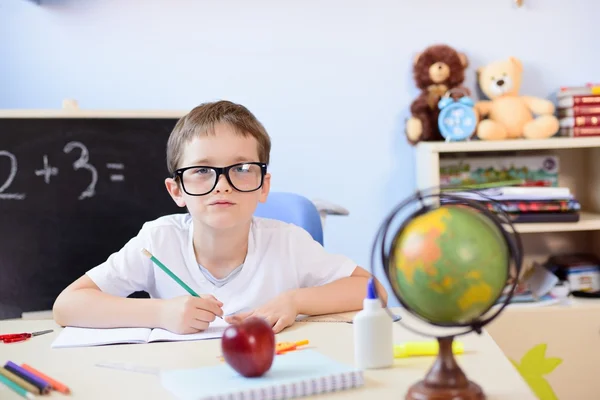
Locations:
373 339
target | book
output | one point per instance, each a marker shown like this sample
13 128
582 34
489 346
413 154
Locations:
477 171
546 217
577 111
587 89
509 193
578 100
584 120
295 374
84 337
580 131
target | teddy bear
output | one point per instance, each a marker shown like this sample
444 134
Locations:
436 70
510 115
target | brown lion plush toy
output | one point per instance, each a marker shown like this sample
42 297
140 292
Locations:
436 70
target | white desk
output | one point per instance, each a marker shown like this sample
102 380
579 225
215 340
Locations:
485 363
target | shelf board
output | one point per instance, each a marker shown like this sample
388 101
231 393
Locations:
83 113
510 145
587 222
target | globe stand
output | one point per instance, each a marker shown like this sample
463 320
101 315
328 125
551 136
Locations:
445 380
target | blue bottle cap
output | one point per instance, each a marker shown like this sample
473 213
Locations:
371 289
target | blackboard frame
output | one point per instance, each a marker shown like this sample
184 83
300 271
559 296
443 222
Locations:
79 115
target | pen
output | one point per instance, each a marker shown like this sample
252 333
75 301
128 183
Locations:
16 388
171 274
427 348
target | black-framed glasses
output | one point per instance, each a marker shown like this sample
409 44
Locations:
200 180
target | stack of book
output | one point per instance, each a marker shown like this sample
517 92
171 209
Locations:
527 204
579 110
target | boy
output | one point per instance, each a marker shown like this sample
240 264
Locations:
241 265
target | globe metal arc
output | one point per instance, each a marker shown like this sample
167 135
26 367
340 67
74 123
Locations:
430 201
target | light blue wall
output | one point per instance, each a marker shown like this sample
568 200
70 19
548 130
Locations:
320 74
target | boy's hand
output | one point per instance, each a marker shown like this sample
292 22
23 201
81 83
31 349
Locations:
189 314
280 313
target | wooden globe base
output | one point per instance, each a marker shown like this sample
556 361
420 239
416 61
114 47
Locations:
445 380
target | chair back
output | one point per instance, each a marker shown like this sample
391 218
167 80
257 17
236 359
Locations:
295 209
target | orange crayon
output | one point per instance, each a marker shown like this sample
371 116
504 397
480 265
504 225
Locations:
56 385
283 347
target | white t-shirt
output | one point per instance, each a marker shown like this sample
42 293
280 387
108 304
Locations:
280 257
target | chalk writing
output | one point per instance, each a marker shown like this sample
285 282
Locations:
11 176
82 162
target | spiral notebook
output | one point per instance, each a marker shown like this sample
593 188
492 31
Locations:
294 374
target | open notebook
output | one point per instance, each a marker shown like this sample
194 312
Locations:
295 374
83 337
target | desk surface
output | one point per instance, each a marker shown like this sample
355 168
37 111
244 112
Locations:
483 363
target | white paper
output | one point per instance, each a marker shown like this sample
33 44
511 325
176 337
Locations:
81 337
215 330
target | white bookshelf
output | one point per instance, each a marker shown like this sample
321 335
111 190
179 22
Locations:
519 329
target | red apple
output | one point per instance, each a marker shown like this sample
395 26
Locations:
249 346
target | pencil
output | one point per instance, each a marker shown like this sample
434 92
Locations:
169 272
28 376
16 388
56 385
19 381
172 275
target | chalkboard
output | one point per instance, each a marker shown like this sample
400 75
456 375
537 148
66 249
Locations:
73 191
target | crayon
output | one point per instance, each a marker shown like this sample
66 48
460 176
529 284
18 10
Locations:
56 385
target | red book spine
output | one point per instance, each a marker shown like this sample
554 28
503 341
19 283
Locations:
582 99
586 110
586 131
580 131
579 100
587 120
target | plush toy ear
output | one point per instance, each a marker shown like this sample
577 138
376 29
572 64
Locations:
478 72
416 59
516 62
463 60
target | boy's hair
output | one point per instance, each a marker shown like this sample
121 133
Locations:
201 121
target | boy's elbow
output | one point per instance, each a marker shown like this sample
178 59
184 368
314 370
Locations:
69 302
381 292
59 313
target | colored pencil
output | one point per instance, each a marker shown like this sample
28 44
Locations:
19 381
169 272
172 275
28 376
56 385
16 388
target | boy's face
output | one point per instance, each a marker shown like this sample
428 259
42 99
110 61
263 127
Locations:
224 207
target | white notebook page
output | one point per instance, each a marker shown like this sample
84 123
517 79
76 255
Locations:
81 337
215 330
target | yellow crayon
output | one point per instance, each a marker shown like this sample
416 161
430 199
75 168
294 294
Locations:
427 348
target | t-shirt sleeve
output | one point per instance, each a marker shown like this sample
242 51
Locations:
127 270
316 266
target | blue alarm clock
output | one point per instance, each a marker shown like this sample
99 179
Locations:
457 119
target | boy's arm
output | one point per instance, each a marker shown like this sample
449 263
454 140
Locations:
345 294
342 295
82 303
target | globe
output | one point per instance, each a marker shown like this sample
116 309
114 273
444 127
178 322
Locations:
449 264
